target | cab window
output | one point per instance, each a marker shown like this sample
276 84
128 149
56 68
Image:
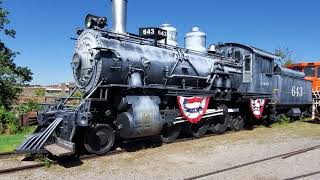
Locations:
237 55
309 71
318 74
247 64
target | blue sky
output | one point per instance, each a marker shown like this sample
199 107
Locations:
44 27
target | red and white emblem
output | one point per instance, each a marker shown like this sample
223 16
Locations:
193 108
257 106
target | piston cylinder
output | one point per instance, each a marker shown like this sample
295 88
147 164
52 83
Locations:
142 119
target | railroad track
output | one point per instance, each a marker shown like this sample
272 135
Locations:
43 164
84 157
282 156
7 154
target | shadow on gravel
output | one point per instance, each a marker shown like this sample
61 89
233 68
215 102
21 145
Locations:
315 121
139 144
132 145
69 162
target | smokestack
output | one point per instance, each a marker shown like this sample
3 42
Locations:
119 16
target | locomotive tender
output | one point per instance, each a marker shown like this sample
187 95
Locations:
145 85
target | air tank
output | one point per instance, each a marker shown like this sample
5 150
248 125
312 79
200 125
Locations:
171 35
195 40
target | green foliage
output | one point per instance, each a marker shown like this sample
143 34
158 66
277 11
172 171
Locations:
9 123
73 103
40 92
286 56
12 77
28 106
282 121
78 94
44 159
10 142
287 63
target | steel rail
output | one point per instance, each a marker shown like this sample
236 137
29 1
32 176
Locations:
7 154
282 156
42 164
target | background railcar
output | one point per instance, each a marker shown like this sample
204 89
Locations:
311 70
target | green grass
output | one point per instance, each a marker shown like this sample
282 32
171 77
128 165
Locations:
10 142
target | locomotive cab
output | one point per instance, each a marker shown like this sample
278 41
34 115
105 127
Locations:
257 68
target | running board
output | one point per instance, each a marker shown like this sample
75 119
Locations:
209 113
34 143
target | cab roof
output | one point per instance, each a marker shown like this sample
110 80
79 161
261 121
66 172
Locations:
255 50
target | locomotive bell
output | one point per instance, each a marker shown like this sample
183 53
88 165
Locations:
212 49
195 40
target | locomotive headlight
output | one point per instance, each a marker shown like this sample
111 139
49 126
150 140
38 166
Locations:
93 21
88 22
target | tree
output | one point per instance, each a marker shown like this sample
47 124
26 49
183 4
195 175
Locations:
286 56
40 92
12 77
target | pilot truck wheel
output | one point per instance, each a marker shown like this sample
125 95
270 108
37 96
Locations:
99 139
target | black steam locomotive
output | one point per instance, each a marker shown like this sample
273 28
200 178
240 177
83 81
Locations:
145 85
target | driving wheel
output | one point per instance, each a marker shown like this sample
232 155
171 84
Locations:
170 133
200 129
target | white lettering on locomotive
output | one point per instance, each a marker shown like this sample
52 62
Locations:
297 91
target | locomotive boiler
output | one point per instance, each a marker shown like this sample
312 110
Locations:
144 85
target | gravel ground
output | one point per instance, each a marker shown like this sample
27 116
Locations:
247 154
